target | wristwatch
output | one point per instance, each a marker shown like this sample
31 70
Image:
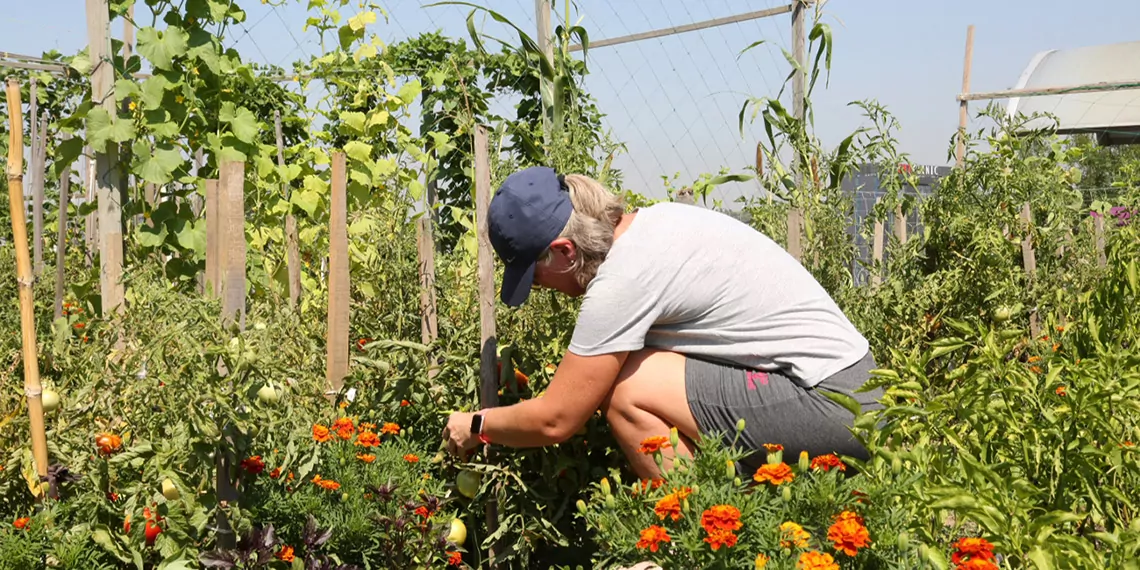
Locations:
477 428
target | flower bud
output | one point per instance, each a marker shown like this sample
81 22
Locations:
740 425
610 502
896 465
605 486
685 505
617 480
737 482
695 488
581 506
904 538
787 494
805 461
674 439
730 468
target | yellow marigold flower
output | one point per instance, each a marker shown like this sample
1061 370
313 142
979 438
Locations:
653 444
774 473
848 533
761 561
813 560
792 534
773 447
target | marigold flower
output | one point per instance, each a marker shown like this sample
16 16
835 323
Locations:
422 511
1034 358
108 443
774 473
390 428
761 561
721 517
367 439
1035 369
977 564
812 560
827 461
668 506
404 404
718 538
773 447
253 465
285 554
327 484
275 473
970 548
411 458
653 444
792 534
21 523
1061 391
321 433
366 457
848 533
652 537
343 428
454 559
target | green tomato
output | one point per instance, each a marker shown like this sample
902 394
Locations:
469 483
1003 314
169 490
50 400
268 394
458 534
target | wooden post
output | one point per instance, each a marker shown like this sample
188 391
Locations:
61 238
292 253
337 344
107 176
150 195
25 281
900 225
1098 228
795 229
213 231
963 111
38 165
33 145
542 23
488 337
429 327
1029 260
877 255
798 41
231 240
91 221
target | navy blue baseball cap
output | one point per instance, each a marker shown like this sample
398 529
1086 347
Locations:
527 212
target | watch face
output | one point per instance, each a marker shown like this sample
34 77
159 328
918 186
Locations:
476 423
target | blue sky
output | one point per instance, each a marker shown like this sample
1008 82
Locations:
674 100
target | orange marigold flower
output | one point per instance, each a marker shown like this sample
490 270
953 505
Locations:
969 548
848 533
422 511
321 433
812 560
21 523
652 537
653 444
1056 346
773 447
454 559
404 404
1035 369
761 561
1034 358
774 473
366 457
1060 328
721 517
343 428
327 484
344 404
285 554
367 439
108 443
275 473
718 538
976 564
1128 444
658 482
390 428
792 534
1061 391
253 465
411 458
827 461
668 506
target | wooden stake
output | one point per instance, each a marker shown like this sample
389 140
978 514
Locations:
91 221
32 388
231 241
292 253
900 225
429 327
963 110
337 344
1029 261
38 165
795 223
488 354
798 41
150 195
877 255
61 237
542 23
107 175
33 144
1098 229
213 237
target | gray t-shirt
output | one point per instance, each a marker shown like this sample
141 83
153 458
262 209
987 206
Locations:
698 282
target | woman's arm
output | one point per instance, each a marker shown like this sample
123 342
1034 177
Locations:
579 387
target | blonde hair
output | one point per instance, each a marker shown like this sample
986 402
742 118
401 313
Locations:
596 213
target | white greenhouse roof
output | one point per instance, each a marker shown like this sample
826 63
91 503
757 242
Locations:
1112 115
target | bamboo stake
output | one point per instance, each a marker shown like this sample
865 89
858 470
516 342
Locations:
489 377
1029 261
33 138
963 112
795 224
877 255
91 222
32 388
61 239
292 253
38 166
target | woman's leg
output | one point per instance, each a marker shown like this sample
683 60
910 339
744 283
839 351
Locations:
648 399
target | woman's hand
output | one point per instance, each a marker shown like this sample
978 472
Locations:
458 435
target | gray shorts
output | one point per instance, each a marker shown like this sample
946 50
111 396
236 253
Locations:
777 410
